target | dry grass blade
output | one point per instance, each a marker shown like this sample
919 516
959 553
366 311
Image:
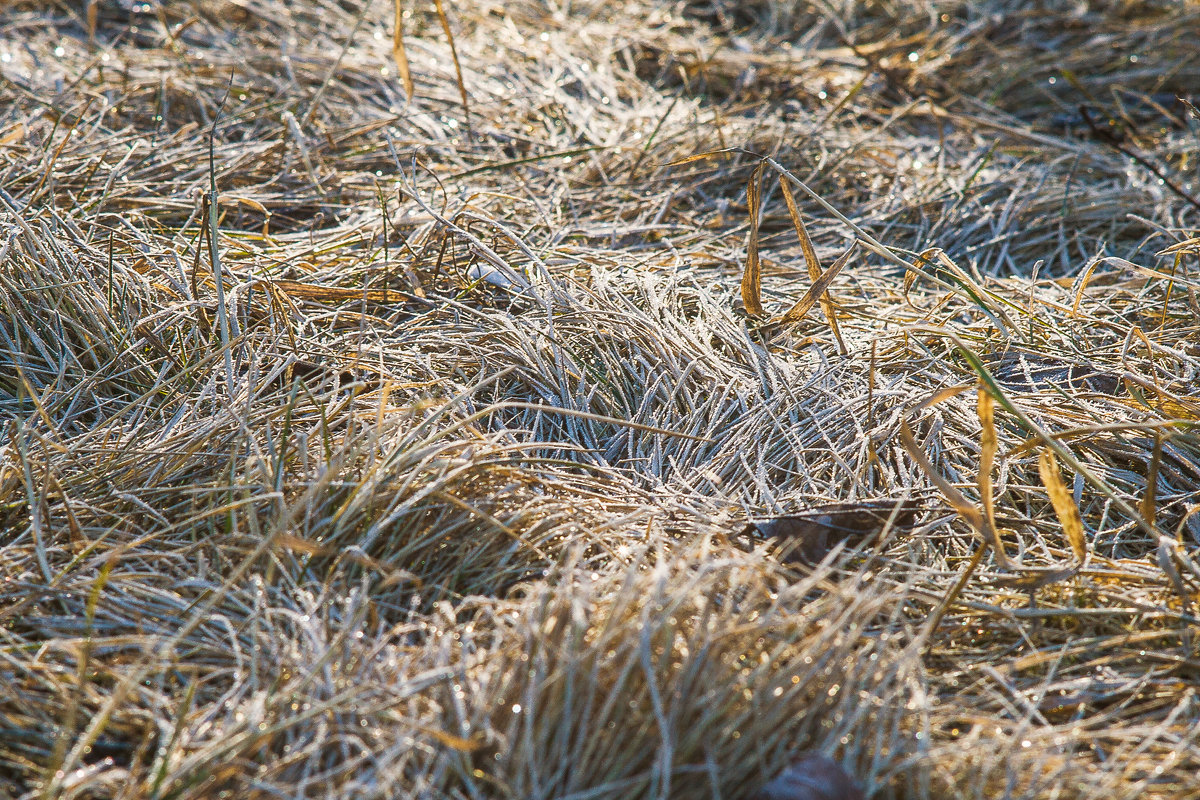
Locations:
1064 504
399 55
226 320
952 595
1062 452
963 507
751 276
1149 504
870 241
1166 556
819 287
458 73
469 526
299 290
812 262
986 407
93 13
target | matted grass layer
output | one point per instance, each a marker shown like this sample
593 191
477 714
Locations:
433 484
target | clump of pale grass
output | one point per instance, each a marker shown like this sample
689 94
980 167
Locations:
438 493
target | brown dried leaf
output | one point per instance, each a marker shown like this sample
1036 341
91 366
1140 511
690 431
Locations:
810 535
816 776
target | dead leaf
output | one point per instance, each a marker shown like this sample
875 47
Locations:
815 776
1036 372
811 534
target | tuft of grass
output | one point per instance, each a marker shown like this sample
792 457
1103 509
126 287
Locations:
415 463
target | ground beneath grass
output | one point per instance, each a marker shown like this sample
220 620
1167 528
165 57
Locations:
363 440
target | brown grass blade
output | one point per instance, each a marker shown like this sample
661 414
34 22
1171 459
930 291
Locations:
963 507
940 396
458 73
918 269
802 306
813 263
1149 504
93 9
751 277
1064 504
332 294
398 53
1030 580
720 151
459 743
960 583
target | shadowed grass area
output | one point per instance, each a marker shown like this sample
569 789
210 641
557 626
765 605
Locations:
434 482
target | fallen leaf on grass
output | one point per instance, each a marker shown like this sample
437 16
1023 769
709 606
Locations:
811 534
816 776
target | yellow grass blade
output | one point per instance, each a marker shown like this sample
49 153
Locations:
458 743
940 396
1064 504
398 53
987 452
